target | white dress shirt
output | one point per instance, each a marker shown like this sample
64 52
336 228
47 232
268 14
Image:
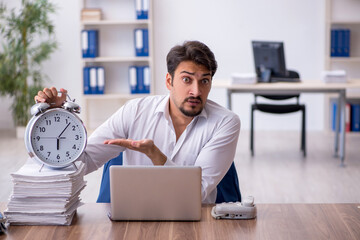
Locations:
209 141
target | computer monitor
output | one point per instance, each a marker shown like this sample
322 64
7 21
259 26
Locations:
269 60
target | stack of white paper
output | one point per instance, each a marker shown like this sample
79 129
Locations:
49 197
336 76
243 78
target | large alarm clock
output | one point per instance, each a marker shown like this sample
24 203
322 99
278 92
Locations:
55 137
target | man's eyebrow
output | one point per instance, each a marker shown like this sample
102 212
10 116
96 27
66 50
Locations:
190 73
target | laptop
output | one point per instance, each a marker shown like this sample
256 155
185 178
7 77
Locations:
155 193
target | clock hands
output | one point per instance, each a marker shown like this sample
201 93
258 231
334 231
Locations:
63 130
58 138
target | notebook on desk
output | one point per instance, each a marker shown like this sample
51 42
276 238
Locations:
155 193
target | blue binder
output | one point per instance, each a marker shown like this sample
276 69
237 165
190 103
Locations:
100 80
145 9
333 114
346 44
133 79
86 76
355 117
140 79
93 81
332 43
142 9
141 42
340 43
146 78
90 43
84 44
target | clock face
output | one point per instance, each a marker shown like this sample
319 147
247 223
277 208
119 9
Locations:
57 137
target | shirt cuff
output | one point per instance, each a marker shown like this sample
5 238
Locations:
169 163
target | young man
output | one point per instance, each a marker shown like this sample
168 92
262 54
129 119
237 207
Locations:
182 128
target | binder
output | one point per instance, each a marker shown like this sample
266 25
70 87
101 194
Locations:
145 9
140 80
132 79
339 42
355 117
141 42
93 39
147 79
90 43
100 80
84 44
333 113
142 9
332 43
138 9
346 44
146 42
93 80
86 76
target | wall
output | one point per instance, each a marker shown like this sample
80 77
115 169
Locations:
227 27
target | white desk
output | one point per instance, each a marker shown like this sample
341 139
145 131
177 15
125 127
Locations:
297 88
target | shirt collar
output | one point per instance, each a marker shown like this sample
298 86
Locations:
163 107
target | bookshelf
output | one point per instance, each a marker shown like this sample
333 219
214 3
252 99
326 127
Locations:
342 14
116 54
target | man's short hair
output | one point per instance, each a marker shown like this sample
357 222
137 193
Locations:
194 51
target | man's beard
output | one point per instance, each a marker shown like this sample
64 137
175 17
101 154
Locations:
191 113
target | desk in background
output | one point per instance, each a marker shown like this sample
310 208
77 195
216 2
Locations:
297 88
274 221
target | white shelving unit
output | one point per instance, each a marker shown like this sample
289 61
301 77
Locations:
343 14
116 54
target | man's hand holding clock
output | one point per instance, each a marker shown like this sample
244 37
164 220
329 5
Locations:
50 96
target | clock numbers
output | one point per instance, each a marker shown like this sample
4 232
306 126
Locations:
57 119
42 129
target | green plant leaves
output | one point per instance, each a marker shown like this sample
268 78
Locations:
28 40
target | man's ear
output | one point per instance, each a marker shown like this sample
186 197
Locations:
168 81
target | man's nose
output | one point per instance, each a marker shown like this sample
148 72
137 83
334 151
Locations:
195 89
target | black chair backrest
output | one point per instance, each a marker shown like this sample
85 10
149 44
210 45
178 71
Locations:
292 74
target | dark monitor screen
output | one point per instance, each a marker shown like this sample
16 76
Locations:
269 60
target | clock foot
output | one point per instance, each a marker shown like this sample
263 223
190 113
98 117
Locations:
41 167
75 166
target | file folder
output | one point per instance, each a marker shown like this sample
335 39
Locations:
147 79
132 79
90 43
84 44
93 40
142 9
140 79
355 117
86 76
100 80
93 80
145 9
141 42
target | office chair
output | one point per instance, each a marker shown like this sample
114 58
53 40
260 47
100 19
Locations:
279 109
227 190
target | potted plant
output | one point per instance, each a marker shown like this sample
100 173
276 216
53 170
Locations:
27 38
